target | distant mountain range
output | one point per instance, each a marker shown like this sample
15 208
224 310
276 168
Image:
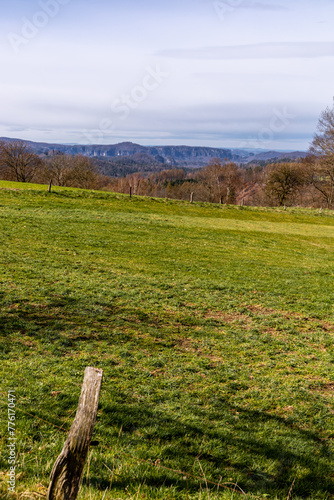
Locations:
266 156
160 157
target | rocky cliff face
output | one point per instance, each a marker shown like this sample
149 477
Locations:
169 155
165 156
190 156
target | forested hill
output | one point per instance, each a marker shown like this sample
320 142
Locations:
169 155
159 156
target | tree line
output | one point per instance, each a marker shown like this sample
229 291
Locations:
300 183
19 163
304 182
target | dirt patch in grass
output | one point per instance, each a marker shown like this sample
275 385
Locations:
325 388
229 318
327 326
311 323
267 311
186 344
276 333
193 347
214 360
259 309
328 388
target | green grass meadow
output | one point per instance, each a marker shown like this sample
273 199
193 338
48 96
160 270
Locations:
214 328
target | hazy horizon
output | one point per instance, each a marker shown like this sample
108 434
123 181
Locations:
260 150
228 74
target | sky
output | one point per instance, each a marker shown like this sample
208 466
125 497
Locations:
219 73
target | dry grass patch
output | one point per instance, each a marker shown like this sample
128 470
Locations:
328 388
187 345
259 309
230 318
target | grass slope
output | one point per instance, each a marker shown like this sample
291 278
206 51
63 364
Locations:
213 325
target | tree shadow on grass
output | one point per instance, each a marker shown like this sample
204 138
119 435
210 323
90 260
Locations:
265 452
58 319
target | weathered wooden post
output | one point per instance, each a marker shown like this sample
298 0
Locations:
67 470
130 191
50 186
191 197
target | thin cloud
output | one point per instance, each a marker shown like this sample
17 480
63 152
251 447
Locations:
276 50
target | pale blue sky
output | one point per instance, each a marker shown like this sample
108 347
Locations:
225 73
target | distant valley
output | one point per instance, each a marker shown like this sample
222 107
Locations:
128 157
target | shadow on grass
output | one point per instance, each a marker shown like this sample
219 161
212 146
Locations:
297 453
58 318
265 453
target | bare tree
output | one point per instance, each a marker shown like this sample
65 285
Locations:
18 161
135 181
222 181
82 173
322 157
323 141
59 168
283 181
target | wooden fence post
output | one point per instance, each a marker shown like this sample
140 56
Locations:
191 197
50 186
67 470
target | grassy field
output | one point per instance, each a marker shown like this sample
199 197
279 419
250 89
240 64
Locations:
214 327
